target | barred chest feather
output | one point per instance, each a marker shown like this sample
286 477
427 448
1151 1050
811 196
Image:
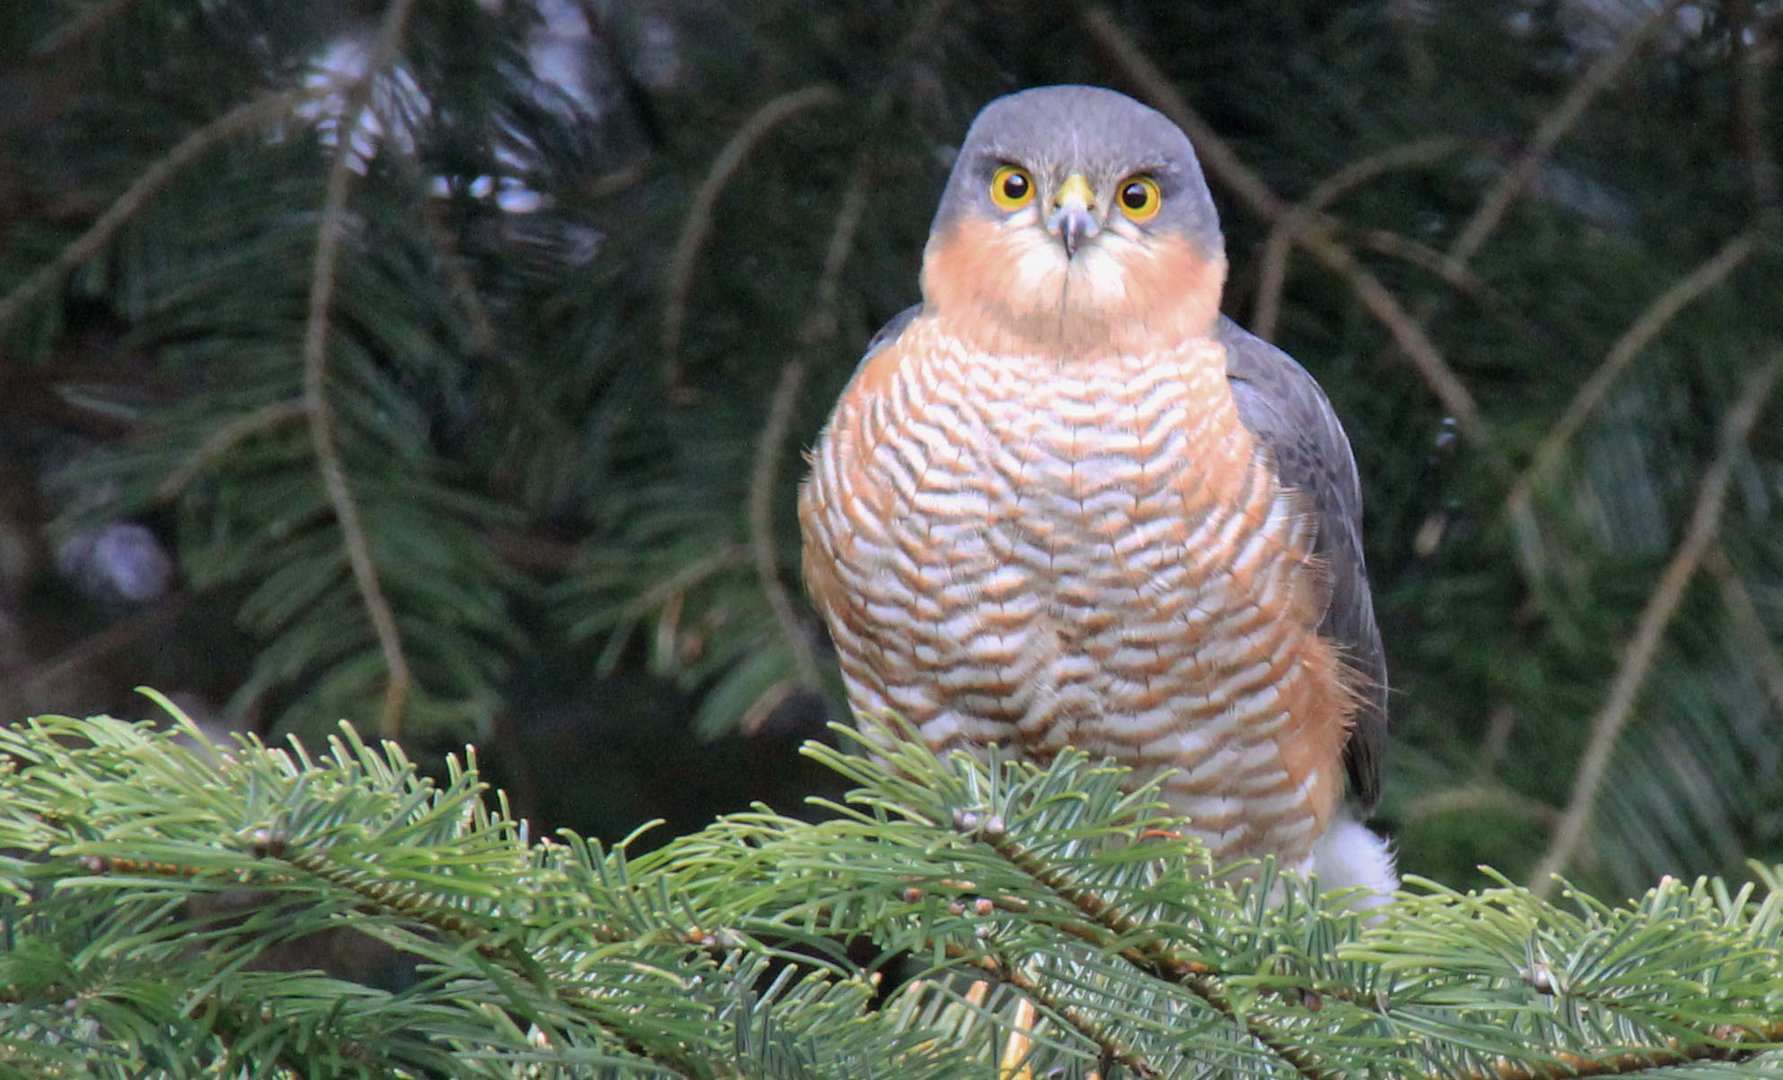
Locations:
1040 553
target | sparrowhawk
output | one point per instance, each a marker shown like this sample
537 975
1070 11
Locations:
1065 502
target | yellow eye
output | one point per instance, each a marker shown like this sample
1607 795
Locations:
1011 187
1140 198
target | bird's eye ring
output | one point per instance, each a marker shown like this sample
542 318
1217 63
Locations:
1140 198
1011 187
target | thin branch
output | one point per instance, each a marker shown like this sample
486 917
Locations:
533 552
765 704
698 224
609 184
821 323
1460 278
1751 627
769 450
1151 956
1020 1043
1644 1061
1273 271
459 285
723 558
46 674
1408 19
225 438
1750 64
1638 656
1223 162
315 379
1499 728
1474 797
1215 154
1596 79
152 180
1640 333
666 591
1035 992
484 340
82 26
819 326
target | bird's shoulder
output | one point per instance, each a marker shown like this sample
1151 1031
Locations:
858 424
879 364
889 334
1284 407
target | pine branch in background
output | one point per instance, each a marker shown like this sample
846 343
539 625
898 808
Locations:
1022 921
1705 522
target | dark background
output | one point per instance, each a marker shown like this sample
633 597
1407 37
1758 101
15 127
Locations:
594 272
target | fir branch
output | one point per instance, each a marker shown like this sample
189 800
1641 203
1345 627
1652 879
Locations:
149 183
1285 231
1219 159
670 590
770 450
1639 653
698 223
1460 278
819 326
112 825
1037 991
1749 61
82 26
323 435
1567 112
222 442
1151 956
1108 925
1750 625
1632 1063
1641 332
399 885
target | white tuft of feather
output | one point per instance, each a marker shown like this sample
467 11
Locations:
1349 855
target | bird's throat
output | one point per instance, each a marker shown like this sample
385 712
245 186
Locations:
1014 290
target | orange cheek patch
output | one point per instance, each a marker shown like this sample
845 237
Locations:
971 271
1169 281
997 287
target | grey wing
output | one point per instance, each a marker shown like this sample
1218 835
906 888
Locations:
1285 410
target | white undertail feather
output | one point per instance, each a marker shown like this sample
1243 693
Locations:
1350 855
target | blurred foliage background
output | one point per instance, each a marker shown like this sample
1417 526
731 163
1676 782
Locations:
446 365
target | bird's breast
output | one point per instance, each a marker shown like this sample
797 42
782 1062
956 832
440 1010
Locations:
1044 552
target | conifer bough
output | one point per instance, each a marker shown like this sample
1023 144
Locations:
949 918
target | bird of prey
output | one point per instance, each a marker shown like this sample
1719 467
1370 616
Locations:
1064 502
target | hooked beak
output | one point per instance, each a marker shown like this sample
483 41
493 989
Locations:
1072 219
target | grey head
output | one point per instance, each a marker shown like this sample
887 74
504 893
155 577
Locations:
1055 132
